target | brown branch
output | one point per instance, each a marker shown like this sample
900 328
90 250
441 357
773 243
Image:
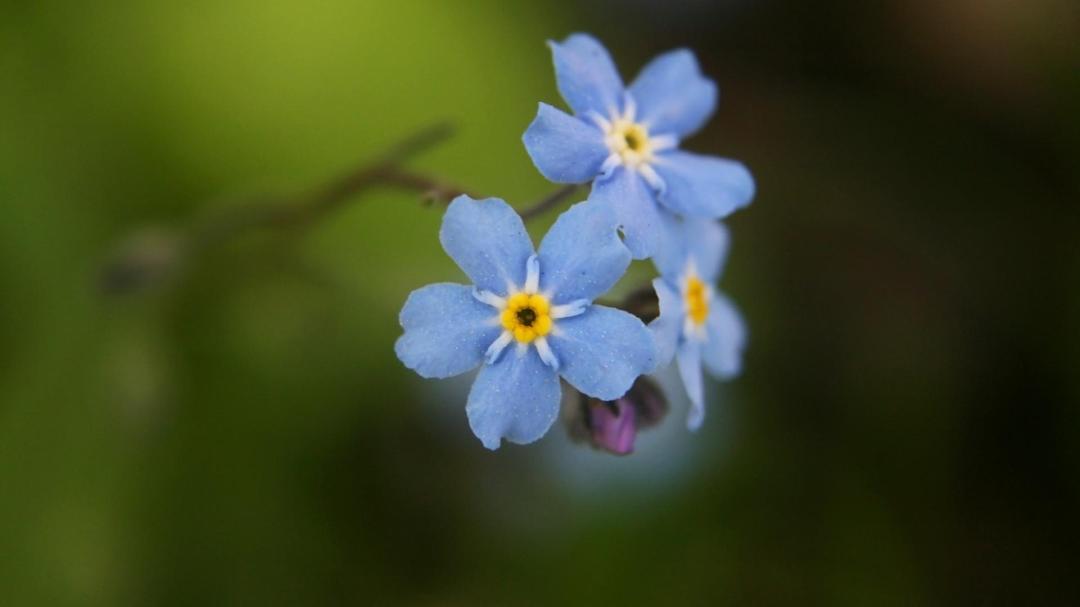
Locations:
433 189
303 210
152 255
149 256
549 201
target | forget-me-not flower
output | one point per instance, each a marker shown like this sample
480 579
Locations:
627 139
696 324
528 319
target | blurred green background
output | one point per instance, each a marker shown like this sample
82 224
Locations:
906 431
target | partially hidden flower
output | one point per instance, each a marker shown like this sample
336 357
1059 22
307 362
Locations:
697 326
627 140
528 319
613 425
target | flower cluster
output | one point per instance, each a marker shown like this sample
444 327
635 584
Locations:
529 317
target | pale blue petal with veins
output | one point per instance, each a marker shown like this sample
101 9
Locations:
529 318
626 139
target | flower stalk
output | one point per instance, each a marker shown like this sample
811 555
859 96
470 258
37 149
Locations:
152 255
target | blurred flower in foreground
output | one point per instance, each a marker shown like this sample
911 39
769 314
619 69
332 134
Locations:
627 139
539 303
613 425
696 324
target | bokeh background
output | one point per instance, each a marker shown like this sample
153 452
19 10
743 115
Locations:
906 431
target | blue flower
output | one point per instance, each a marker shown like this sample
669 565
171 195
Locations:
627 139
528 320
697 324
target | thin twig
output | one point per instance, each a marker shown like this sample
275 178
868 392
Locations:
151 255
549 201
303 210
433 189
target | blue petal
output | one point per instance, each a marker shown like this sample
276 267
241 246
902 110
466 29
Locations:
581 257
667 327
446 330
704 241
488 241
689 362
564 149
635 208
726 332
586 75
703 186
603 351
672 96
516 398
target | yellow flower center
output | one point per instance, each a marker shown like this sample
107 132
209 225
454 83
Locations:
527 316
636 138
697 300
630 141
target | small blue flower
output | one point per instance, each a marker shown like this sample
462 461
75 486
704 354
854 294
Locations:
696 324
537 306
627 139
